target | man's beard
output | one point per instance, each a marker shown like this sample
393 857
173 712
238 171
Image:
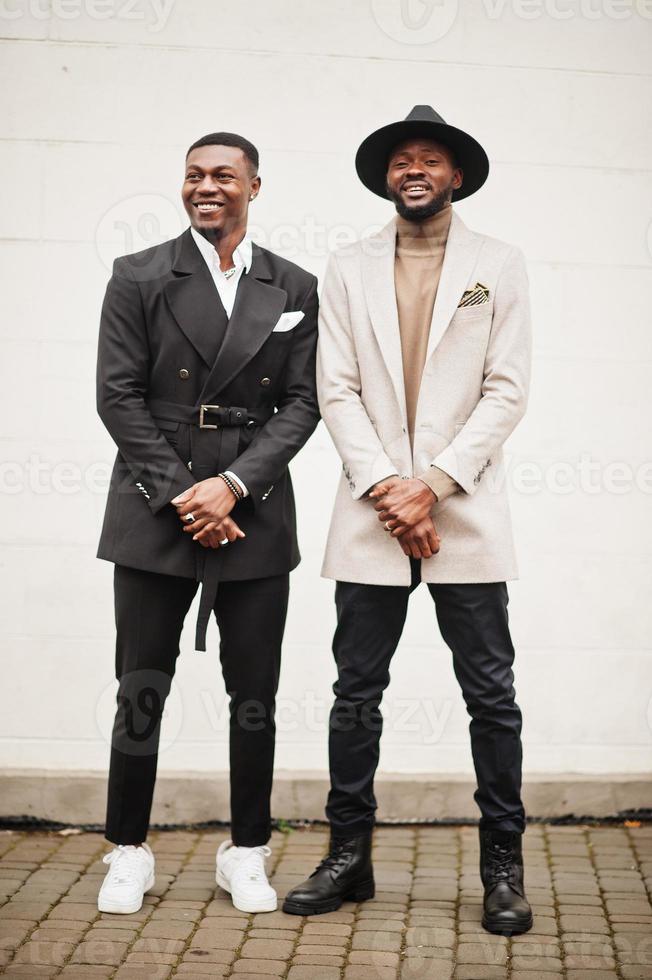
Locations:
422 211
212 235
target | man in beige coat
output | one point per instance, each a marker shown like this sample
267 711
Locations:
423 372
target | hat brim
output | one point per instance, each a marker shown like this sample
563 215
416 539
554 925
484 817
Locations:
373 154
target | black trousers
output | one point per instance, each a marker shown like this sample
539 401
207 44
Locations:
149 611
474 624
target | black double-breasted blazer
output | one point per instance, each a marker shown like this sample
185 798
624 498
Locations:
165 341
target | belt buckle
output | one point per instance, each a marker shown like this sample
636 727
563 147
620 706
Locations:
202 424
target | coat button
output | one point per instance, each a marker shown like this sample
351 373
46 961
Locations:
184 374
264 382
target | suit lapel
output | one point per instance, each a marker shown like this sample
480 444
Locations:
194 300
377 265
257 307
462 248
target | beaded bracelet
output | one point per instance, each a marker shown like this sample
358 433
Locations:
232 485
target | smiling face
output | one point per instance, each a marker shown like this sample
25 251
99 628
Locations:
219 182
421 177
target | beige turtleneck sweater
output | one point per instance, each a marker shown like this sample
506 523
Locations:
420 251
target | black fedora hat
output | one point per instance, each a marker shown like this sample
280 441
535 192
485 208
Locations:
373 153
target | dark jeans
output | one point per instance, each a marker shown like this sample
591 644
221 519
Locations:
473 622
149 611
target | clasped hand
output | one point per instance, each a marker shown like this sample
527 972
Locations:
210 502
404 507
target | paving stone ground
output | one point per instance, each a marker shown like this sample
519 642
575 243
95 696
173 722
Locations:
590 888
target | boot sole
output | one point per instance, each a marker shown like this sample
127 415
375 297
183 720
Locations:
121 909
270 906
361 893
499 928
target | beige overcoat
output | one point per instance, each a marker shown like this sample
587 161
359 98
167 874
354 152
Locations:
473 393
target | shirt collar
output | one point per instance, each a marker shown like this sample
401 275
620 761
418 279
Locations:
242 256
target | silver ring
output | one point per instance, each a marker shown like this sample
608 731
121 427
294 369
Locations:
387 527
224 542
189 518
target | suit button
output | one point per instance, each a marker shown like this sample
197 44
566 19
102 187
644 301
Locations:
265 381
184 374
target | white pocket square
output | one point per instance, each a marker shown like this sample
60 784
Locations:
287 321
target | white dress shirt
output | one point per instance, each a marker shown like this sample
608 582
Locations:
226 287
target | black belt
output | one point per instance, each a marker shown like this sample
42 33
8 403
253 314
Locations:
219 415
227 420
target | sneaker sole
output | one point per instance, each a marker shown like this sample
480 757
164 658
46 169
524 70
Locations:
499 928
361 893
270 906
120 908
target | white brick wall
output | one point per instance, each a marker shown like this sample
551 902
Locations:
100 114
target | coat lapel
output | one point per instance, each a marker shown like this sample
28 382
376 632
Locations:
462 248
377 265
194 300
256 310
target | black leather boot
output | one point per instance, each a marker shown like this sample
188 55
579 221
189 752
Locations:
345 874
506 909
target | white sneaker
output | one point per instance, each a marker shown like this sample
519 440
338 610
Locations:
241 872
130 875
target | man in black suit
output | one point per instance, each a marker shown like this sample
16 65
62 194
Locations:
206 383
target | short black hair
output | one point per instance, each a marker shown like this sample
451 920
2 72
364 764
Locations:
229 139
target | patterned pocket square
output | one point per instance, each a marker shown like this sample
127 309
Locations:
475 297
